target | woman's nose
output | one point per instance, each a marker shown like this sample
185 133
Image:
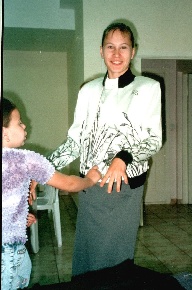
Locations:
116 51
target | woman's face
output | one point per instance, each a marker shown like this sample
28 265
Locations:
117 52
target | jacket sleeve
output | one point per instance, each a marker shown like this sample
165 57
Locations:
150 140
64 154
144 142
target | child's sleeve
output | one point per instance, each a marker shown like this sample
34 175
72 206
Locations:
39 168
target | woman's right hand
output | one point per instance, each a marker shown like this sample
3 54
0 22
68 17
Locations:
94 174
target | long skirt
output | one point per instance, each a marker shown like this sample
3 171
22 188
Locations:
106 228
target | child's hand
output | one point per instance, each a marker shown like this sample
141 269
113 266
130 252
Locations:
31 219
32 193
94 174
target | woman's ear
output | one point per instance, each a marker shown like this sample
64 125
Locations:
101 51
133 53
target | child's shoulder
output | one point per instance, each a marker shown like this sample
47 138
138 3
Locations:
17 153
12 151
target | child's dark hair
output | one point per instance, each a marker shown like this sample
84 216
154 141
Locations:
7 109
118 26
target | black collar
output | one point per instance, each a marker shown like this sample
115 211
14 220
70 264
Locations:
124 79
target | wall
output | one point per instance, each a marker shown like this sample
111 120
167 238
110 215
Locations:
32 36
75 70
38 83
162 29
38 14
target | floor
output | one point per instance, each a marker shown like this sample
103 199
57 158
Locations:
164 242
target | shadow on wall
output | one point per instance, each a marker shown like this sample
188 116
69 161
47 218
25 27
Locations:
163 116
26 120
92 78
13 97
163 103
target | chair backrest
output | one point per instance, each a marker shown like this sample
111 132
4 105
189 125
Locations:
48 199
48 196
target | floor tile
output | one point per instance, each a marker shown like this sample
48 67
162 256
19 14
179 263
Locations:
163 244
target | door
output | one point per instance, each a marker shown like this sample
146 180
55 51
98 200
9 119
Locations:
190 140
170 172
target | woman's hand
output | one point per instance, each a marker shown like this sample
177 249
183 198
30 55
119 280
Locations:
115 173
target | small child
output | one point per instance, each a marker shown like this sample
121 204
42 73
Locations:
19 166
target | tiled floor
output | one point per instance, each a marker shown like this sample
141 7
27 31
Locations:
164 242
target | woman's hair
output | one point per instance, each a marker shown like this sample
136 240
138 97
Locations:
7 108
118 26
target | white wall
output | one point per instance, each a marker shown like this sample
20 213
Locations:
39 80
163 29
75 71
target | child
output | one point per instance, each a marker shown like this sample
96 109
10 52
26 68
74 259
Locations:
19 166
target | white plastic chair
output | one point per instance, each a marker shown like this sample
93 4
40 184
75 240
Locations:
34 237
141 218
48 199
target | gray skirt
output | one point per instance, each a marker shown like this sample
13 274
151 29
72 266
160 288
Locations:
106 228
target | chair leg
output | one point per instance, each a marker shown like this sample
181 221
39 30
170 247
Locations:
34 237
57 223
141 216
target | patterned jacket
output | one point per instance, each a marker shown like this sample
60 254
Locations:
115 117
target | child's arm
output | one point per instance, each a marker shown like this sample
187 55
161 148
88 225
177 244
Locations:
32 192
73 183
